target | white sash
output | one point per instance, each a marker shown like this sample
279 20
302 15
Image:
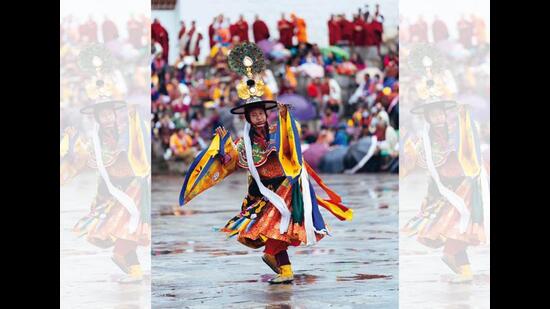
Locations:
486 199
275 199
308 209
452 197
366 158
122 197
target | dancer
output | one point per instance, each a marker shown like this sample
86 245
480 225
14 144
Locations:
281 208
452 213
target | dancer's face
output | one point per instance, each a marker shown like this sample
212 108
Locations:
107 118
257 117
436 117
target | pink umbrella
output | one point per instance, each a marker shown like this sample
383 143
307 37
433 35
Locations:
266 46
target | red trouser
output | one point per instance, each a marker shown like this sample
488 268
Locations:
457 249
274 246
278 249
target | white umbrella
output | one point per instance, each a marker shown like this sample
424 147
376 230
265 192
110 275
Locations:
313 70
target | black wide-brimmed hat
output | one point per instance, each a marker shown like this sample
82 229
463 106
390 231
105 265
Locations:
247 59
254 102
422 107
92 107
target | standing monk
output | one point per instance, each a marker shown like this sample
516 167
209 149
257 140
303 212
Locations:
359 36
334 32
465 32
191 42
233 30
212 33
377 30
300 26
89 29
259 29
286 31
347 30
160 35
242 29
182 30
479 29
110 31
439 29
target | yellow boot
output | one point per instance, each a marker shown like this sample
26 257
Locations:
465 275
286 275
135 275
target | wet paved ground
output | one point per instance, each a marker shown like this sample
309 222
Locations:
424 278
195 267
88 277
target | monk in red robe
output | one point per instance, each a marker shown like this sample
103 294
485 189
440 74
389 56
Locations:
110 31
334 32
233 29
242 29
439 29
359 36
182 30
160 35
191 41
286 31
259 29
420 30
465 32
369 33
212 33
89 29
346 27
377 29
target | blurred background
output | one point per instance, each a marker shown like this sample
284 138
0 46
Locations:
337 65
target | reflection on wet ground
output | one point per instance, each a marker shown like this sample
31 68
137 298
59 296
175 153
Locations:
195 266
424 278
361 277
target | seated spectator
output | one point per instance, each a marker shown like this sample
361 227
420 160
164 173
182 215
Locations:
363 92
341 137
165 127
356 59
181 145
330 118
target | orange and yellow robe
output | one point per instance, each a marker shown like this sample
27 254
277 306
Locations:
458 164
279 165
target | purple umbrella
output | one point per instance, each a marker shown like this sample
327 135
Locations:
266 46
314 154
300 107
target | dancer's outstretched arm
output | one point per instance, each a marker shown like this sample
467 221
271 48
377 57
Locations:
210 167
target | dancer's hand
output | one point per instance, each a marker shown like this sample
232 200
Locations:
283 108
221 131
70 131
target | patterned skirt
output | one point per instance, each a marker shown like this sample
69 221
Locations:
438 220
108 220
259 219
